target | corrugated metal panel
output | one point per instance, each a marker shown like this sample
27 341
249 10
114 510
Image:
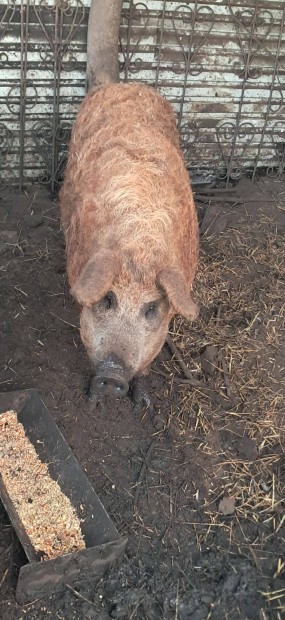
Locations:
221 64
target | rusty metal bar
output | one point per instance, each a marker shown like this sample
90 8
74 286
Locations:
243 89
162 20
23 86
56 86
272 88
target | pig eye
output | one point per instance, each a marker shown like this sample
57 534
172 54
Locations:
151 310
109 301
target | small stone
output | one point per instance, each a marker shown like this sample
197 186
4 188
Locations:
246 447
214 221
33 220
158 423
208 359
93 614
18 357
207 598
8 238
200 614
231 583
227 506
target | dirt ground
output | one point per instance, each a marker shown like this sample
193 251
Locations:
206 526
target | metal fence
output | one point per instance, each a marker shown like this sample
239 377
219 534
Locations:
220 63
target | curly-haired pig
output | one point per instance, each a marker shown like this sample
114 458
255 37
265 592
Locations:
131 229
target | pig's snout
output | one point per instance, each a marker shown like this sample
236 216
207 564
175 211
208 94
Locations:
109 379
111 384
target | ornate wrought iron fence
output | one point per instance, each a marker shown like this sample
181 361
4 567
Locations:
221 64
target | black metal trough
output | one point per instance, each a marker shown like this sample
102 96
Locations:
104 545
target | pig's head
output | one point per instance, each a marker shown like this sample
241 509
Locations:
125 317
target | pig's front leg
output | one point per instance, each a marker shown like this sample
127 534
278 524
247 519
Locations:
139 393
89 390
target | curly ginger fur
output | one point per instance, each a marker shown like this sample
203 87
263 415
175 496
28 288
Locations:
126 186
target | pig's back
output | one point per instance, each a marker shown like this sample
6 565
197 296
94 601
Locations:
122 109
123 124
126 176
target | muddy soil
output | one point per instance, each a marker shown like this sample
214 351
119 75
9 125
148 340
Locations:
206 528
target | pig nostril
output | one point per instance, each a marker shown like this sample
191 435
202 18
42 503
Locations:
119 388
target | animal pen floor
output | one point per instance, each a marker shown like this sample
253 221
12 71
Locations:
198 485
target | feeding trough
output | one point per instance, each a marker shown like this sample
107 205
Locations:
100 542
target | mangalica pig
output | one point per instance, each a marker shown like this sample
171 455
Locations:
131 229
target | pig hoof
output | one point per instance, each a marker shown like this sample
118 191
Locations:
139 396
92 396
90 393
144 402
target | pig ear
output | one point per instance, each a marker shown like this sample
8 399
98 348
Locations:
96 278
174 284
